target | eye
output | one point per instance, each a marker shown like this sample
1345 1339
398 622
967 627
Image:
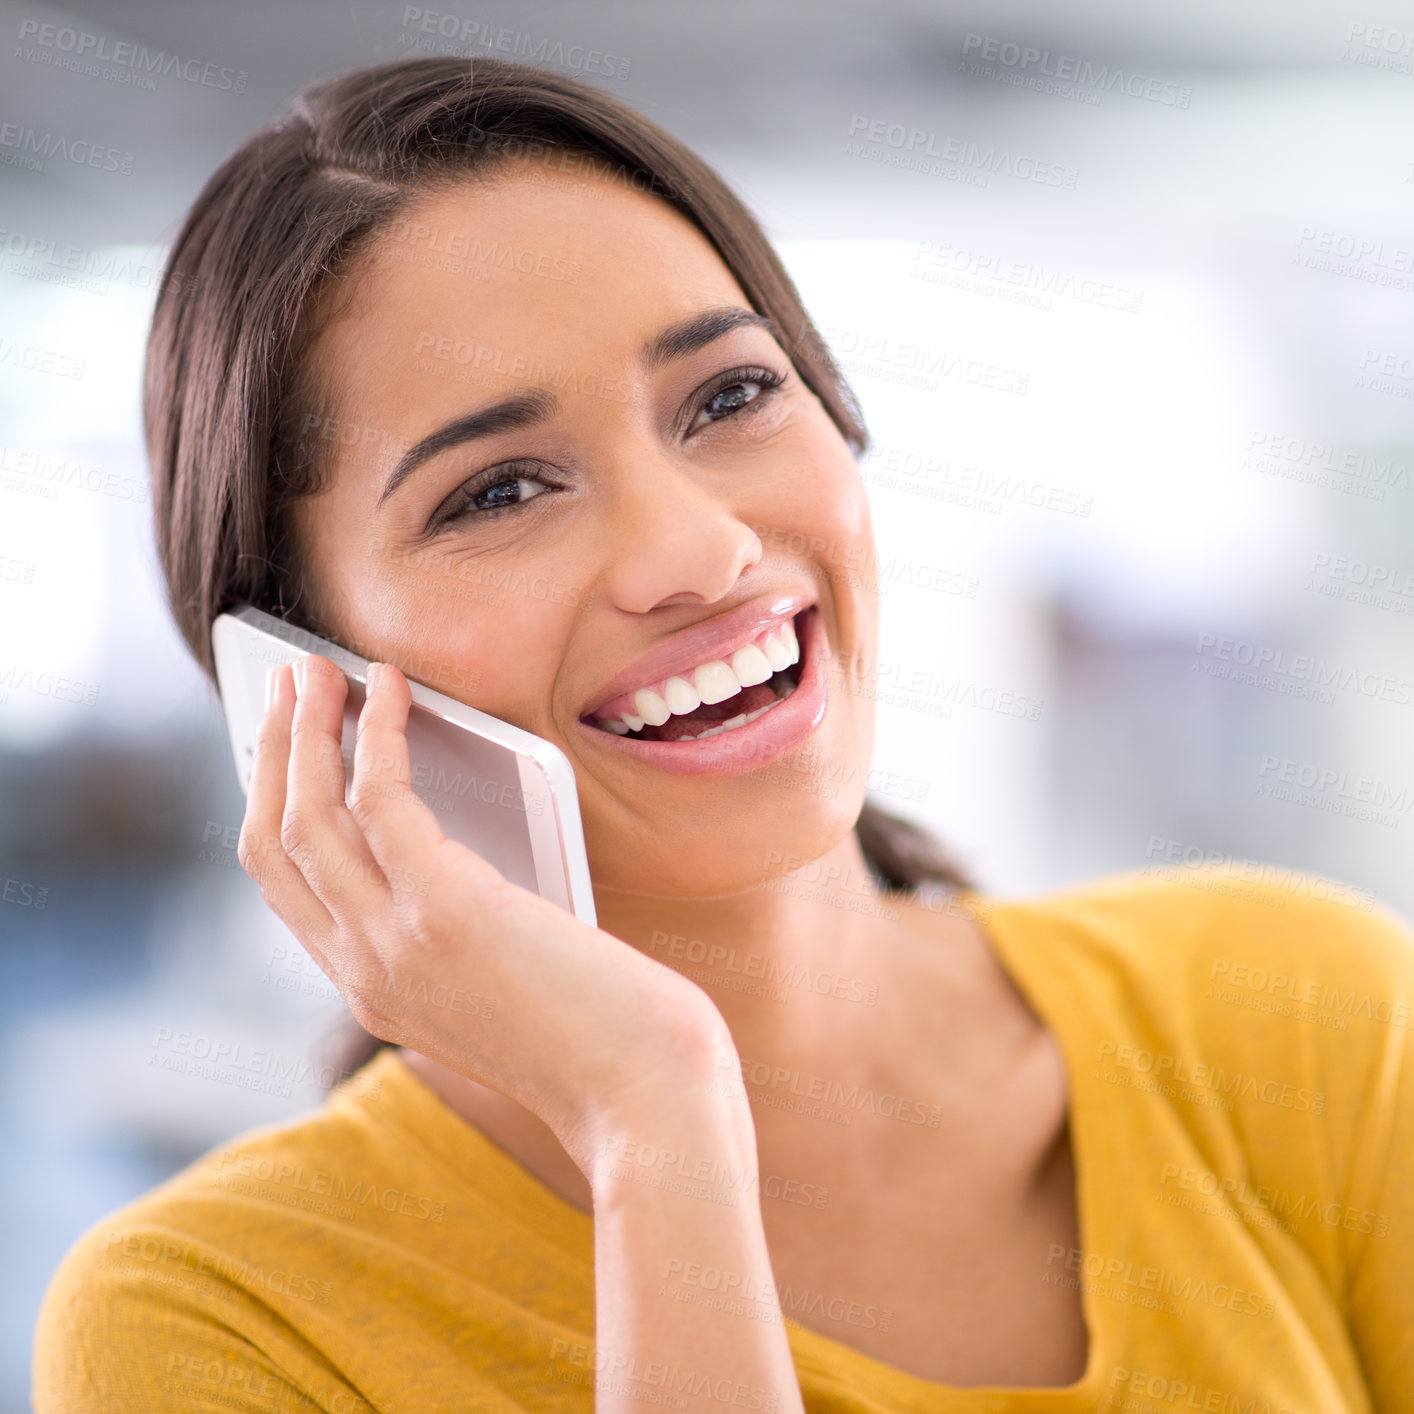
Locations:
503 488
509 492
730 394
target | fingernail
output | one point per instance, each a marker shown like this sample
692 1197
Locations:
269 687
299 676
375 671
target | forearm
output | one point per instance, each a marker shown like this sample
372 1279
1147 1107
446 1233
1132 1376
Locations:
686 1315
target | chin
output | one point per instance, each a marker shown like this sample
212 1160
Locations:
772 831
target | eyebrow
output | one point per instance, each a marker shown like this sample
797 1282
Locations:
530 408
698 330
510 415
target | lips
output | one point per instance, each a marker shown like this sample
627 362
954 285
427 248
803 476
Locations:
778 727
710 662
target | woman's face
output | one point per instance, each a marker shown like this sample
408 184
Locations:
569 465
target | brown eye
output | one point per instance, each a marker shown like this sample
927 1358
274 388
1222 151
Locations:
490 495
510 492
736 392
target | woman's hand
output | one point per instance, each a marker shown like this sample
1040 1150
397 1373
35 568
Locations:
432 948
598 1041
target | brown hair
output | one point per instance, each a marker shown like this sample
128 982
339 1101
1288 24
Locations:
227 391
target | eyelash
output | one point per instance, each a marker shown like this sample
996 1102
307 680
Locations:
768 381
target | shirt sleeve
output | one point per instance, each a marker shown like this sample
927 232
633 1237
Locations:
1305 988
124 1327
1381 1295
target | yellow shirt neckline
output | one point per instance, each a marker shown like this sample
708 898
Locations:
426 1120
835 1361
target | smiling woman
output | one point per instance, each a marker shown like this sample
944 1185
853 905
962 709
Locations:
484 376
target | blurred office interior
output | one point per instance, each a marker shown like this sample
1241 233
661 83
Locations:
1125 293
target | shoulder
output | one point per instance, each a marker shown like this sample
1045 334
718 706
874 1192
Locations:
1238 923
1276 986
204 1272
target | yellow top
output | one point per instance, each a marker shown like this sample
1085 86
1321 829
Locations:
1242 1112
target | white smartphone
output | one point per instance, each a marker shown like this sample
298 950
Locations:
501 791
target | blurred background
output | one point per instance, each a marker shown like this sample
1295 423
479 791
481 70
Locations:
1125 293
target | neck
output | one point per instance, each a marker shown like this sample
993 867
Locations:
781 961
815 973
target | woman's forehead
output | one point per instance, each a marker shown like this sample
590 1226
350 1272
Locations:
564 229
518 270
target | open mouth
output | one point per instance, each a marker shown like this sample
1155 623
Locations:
715 697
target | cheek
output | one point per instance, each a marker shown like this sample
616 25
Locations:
824 516
490 636
506 639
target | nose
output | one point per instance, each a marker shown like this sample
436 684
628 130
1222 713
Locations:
675 537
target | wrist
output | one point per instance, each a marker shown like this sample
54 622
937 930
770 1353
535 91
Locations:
692 1142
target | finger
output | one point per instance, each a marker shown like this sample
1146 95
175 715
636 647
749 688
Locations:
317 831
401 830
316 733
261 853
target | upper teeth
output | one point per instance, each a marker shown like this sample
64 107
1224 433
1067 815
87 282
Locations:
713 681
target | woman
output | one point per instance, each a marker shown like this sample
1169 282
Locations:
483 375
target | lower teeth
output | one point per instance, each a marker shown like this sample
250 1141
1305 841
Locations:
732 723
783 690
